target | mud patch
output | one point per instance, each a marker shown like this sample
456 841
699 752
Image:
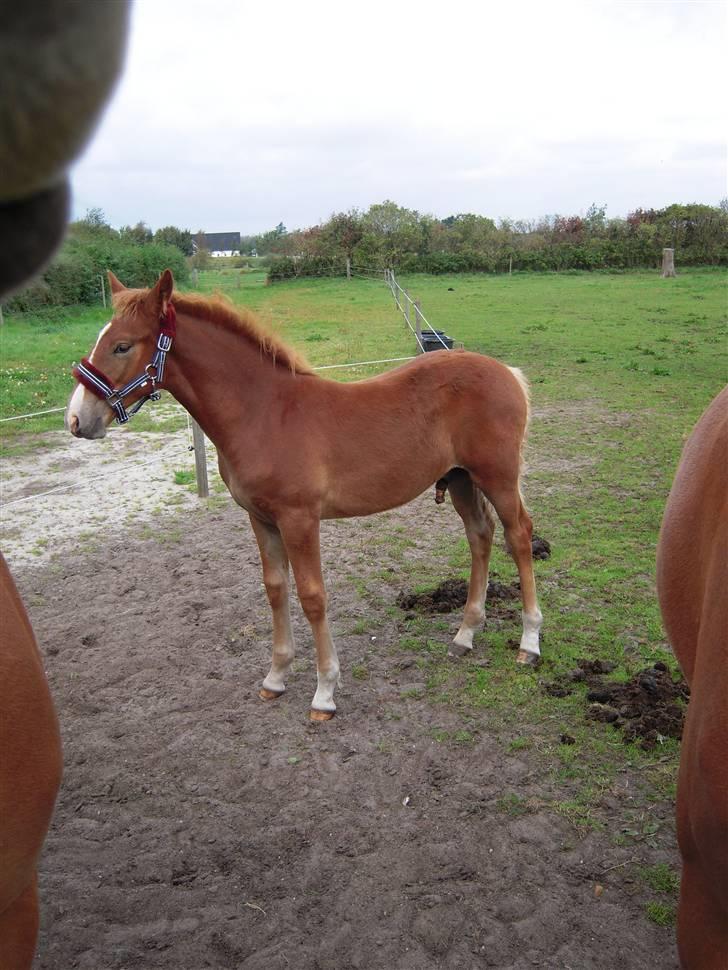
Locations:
451 595
540 548
649 707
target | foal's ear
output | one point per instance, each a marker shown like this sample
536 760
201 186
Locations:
116 286
161 292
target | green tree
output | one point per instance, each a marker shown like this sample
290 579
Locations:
172 236
342 233
270 242
201 258
92 226
138 235
468 231
595 219
393 229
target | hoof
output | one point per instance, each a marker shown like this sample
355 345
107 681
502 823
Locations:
458 650
528 659
269 695
320 715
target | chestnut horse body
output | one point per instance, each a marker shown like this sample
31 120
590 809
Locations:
30 775
295 448
692 583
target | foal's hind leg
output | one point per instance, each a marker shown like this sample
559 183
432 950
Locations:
475 512
275 576
518 532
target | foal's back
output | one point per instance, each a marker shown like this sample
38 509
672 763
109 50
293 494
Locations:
692 580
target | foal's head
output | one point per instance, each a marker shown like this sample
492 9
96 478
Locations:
123 350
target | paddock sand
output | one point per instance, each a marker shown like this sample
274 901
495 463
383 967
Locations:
200 827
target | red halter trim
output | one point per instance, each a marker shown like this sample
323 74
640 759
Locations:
168 322
92 378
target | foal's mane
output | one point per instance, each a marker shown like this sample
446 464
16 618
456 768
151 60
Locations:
219 311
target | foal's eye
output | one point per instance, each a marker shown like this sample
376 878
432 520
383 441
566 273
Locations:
122 348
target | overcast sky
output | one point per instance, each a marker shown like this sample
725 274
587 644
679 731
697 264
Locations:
237 116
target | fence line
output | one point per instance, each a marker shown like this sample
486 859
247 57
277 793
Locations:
363 363
394 286
35 414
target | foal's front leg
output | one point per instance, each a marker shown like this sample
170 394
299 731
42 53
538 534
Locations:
300 533
275 576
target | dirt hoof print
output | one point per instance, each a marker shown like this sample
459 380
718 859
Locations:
269 695
321 715
528 659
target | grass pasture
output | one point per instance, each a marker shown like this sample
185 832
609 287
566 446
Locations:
621 366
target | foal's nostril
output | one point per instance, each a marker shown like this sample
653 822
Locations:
73 426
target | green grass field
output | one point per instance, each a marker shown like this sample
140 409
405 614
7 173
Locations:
621 366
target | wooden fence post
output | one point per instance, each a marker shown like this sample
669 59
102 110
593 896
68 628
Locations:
406 308
103 290
668 263
348 268
418 325
198 440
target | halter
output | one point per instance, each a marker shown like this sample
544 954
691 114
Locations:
99 384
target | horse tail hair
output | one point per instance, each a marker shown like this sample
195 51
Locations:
525 388
524 385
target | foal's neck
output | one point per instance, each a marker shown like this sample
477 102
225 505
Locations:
222 376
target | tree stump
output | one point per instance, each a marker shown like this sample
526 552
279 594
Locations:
668 263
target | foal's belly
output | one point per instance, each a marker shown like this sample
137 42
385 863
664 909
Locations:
378 495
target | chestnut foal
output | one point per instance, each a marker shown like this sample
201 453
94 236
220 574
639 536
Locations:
692 583
295 448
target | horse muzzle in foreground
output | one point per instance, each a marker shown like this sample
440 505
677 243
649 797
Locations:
295 448
58 66
692 583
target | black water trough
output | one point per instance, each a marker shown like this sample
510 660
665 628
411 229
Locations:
434 340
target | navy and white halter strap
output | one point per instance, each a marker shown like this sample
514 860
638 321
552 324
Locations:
98 383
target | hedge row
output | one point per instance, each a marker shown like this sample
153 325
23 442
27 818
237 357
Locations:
74 275
593 254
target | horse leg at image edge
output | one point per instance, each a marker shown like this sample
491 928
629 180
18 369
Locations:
276 579
19 930
302 540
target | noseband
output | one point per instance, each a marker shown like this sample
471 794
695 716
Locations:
99 384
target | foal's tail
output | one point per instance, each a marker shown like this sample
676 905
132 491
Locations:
523 384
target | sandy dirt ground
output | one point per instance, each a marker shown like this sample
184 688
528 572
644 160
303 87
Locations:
201 827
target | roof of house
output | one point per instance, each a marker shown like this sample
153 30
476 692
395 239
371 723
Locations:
222 241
